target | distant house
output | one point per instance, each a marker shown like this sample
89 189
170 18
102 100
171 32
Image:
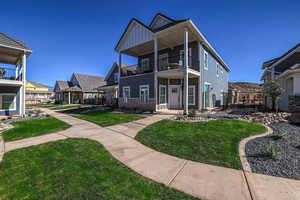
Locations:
38 93
109 91
245 93
80 89
13 61
176 68
285 70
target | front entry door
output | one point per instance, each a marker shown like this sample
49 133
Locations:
174 97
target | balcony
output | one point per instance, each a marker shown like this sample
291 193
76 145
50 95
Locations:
9 74
163 64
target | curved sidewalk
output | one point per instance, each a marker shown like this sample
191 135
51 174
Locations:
198 179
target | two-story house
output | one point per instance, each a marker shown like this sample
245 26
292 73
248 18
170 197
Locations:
13 56
176 67
285 70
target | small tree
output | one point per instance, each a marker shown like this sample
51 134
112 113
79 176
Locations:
273 90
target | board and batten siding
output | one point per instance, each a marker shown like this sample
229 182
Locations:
136 35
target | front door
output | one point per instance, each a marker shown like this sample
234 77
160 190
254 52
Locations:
206 96
174 97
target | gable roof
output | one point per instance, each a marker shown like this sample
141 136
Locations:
88 83
7 41
62 85
160 15
245 86
274 60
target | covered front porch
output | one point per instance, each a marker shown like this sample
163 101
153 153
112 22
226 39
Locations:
13 56
172 93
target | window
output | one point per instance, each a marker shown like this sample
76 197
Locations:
181 57
145 65
217 69
191 95
116 77
8 101
205 60
162 94
144 94
126 94
163 61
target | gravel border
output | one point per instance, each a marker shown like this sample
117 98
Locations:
288 165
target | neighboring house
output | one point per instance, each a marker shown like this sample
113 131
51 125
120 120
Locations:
13 56
176 67
245 93
285 70
80 89
38 93
109 91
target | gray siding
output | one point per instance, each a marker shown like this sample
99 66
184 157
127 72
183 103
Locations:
110 80
134 82
217 83
11 89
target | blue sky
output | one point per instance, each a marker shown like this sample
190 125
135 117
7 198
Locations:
80 35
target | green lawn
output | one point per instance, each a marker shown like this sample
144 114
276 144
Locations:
74 169
213 142
61 107
108 118
35 127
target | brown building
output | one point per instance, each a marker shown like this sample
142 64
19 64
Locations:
245 93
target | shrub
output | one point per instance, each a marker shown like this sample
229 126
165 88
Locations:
192 113
281 135
273 151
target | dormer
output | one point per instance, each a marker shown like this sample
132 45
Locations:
160 20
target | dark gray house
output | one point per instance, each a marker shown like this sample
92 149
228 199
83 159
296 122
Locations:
80 89
176 67
13 59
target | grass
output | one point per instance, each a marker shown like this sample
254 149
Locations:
214 142
108 118
61 107
74 169
35 127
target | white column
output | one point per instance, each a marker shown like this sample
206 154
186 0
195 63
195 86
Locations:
186 78
69 97
200 79
23 89
155 70
119 71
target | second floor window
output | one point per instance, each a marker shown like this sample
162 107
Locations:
145 64
217 69
205 60
163 61
116 77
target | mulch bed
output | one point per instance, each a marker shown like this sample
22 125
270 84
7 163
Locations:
288 164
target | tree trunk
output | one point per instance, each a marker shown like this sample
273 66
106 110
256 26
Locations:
273 105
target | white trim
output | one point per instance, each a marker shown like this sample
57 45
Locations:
14 101
194 95
204 64
126 87
146 86
162 86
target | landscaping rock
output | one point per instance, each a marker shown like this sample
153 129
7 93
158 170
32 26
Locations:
288 166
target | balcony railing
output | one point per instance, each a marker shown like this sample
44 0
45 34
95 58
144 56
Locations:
163 63
9 74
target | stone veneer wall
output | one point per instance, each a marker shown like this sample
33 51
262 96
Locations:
294 103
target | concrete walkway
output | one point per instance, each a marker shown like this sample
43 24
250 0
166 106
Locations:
200 180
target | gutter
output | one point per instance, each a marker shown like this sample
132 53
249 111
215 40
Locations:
16 48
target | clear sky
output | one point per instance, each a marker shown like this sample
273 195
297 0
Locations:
80 35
